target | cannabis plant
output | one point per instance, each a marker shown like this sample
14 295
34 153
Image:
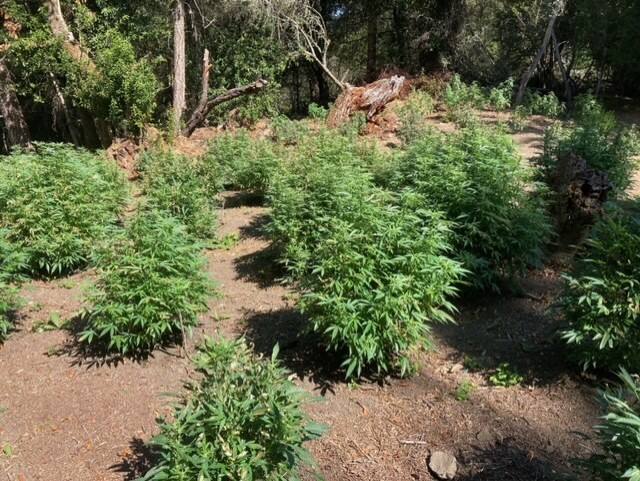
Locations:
150 289
477 179
373 266
177 185
596 136
242 162
602 294
243 421
619 433
12 264
56 203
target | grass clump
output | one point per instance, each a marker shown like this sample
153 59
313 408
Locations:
151 286
243 421
241 162
619 433
372 266
602 294
180 187
458 93
476 178
56 203
318 112
548 104
596 136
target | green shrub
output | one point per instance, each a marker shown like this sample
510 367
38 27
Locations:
476 177
597 137
11 265
602 294
56 203
318 112
242 163
412 116
243 421
619 434
179 186
380 277
538 104
505 376
287 131
459 93
372 266
500 97
150 289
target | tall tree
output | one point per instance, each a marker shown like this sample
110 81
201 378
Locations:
15 127
179 62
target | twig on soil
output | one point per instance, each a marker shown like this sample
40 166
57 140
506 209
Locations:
409 442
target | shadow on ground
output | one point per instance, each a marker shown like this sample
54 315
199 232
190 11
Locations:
522 330
139 459
302 352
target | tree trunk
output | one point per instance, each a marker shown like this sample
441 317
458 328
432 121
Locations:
179 63
399 33
17 131
566 76
534 65
61 30
372 44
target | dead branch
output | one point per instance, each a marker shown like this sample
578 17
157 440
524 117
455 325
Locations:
205 109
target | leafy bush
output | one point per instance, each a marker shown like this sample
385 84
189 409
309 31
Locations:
597 137
56 203
477 179
379 279
287 131
243 421
500 97
459 93
372 266
538 104
151 286
602 294
241 162
412 116
505 376
318 112
178 185
11 265
619 434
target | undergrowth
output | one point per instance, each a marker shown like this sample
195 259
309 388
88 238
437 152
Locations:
56 203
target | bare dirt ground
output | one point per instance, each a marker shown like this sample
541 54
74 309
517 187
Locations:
69 418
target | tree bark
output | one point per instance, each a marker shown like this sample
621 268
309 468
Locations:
201 114
179 63
17 131
61 30
534 65
372 43
566 76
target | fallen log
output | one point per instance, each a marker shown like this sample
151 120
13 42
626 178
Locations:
371 98
582 191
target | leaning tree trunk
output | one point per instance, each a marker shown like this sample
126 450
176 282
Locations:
179 63
17 131
534 65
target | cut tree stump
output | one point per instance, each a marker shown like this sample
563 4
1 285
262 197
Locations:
371 98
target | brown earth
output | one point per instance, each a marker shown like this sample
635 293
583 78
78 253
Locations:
69 418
